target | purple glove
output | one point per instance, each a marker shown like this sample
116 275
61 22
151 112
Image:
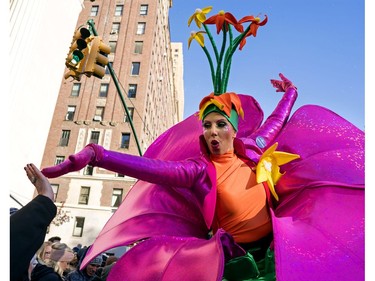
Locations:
283 85
75 162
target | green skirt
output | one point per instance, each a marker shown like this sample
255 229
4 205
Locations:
245 268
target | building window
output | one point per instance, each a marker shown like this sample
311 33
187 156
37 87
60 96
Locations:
103 90
75 89
135 68
112 45
116 197
59 159
141 28
78 226
88 171
125 139
99 113
119 10
138 47
84 195
143 10
70 113
94 137
55 189
94 11
115 28
131 113
64 141
132 92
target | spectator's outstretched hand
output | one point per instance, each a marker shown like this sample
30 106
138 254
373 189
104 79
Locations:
40 182
75 162
283 85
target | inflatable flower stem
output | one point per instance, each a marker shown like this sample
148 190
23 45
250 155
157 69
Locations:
224 22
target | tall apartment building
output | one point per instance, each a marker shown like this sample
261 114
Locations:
91 111
178 71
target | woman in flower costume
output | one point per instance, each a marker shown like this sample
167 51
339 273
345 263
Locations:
231 207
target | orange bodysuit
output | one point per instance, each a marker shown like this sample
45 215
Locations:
241 207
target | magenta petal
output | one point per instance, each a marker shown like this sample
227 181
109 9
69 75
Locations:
172 258
319 224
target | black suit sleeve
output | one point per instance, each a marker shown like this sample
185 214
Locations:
28 227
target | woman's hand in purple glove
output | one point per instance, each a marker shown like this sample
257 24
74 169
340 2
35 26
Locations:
283 85
75 162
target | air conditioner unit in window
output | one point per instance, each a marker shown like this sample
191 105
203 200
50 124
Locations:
114 31
97 118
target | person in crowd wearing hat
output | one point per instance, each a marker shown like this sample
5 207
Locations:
87 273
28 226
55 267
77 248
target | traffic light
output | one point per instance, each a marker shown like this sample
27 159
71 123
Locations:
97 58
78 53
79 43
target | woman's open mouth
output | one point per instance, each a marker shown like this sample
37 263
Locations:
215 144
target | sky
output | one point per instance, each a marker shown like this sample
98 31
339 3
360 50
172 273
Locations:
319 45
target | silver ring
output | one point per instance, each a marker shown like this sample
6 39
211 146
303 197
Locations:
33 179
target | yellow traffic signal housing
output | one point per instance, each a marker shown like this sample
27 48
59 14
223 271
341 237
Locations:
77 71
74 74
97 58
78 53
79 43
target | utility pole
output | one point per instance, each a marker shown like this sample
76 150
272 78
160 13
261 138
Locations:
117 84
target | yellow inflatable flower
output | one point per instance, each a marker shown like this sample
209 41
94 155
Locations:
198 36
199 16
268 168
224 22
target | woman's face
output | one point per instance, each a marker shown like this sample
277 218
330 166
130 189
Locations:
47 252
64 265
218 133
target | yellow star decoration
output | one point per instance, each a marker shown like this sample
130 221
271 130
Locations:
268 167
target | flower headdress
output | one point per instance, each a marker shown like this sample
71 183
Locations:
228 103
225 22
